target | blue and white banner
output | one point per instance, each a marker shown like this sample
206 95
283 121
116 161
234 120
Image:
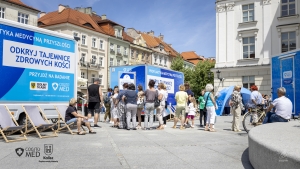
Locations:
35 67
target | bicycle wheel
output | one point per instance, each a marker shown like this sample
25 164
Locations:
247 122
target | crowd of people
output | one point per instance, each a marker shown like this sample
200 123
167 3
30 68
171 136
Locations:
124 106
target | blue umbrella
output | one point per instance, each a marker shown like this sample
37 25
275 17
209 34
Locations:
225 95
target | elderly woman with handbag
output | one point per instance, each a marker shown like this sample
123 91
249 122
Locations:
211 107
236 108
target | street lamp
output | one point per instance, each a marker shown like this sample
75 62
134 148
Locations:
218 75
209 74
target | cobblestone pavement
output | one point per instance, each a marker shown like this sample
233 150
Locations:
115 148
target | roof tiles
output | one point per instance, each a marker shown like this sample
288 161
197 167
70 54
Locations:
19 2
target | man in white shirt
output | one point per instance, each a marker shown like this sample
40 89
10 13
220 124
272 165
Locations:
283 106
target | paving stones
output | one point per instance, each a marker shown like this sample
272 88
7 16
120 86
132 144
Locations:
116 148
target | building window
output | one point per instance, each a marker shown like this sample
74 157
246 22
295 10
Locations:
2 12
288 7
101 44
143 55
125 51
112 47
248 13
160 59
118 62
94 58
82 59
101 79
82 75
249 47
155 59
23 18
75 34
166 60
118 49
83 39
111 62
93 77
101 61
132 52
248 81
125 62
93 42
288 41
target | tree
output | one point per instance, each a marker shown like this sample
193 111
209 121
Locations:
177 64
200 76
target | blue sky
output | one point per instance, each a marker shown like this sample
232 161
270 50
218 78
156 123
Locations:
189 25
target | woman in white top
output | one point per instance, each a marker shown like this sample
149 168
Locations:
114 108
192 111
160 110
165 114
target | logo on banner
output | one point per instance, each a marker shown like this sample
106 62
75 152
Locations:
55 86
32 85
38 86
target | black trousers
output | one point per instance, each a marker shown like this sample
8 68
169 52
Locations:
165 119
202 113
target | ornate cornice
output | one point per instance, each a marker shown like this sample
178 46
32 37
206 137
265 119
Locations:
266 2
230 6
225 7
221 7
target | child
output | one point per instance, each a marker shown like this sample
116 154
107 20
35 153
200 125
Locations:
114 108
192 110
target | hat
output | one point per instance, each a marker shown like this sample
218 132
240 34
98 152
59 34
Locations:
96 79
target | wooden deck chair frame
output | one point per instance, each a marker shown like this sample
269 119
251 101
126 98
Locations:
36 128
59 128
2 131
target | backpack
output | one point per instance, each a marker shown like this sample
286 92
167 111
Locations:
106 99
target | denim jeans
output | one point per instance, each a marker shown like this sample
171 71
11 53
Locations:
273 117
149 110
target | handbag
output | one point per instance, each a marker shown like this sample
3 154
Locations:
204 109
140 103
156 101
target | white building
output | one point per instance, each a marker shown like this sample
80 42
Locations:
248 33
16 10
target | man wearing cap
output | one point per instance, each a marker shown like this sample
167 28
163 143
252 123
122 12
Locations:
95 100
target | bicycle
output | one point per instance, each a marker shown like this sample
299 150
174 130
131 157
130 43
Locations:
247 119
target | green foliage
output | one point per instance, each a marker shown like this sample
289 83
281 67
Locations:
197 77
177 64
200 76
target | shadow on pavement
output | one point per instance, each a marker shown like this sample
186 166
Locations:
245 160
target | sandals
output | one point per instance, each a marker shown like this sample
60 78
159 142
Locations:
182 128
80 133
212 130
174 127
92 132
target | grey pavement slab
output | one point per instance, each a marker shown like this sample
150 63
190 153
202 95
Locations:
114 148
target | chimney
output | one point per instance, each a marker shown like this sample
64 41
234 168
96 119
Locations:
61 8
42 14
170 45
161 37
151 33
103 17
